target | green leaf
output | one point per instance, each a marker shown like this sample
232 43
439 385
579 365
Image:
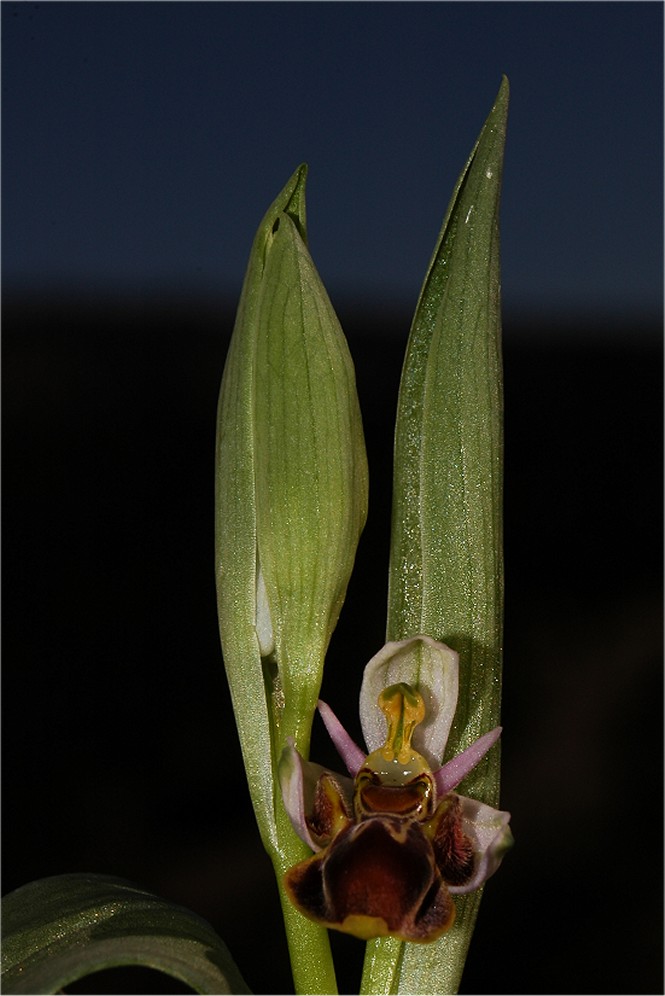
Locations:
446 568
60 929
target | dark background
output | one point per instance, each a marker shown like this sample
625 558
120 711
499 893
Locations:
125 242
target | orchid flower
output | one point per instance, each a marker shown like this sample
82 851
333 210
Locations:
393 842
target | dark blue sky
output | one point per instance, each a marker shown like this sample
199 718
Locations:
142 143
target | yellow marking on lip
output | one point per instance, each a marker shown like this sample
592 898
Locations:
364 927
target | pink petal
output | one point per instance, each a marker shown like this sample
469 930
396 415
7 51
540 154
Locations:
452 773
347 749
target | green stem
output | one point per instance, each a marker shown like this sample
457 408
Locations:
383 961
309 949
309 945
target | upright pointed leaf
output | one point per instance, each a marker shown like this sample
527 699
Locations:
446 569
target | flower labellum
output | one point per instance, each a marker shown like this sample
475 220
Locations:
395 844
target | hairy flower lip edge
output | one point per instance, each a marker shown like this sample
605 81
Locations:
298 790
488 827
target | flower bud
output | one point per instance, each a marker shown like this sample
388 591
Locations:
291 493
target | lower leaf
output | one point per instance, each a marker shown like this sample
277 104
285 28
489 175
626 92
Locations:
57 930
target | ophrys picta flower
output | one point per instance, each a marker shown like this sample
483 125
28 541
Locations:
394 843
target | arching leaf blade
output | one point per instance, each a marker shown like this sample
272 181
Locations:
60 929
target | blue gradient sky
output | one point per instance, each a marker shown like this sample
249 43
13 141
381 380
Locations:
142 143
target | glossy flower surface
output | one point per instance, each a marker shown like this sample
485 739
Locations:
393 842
